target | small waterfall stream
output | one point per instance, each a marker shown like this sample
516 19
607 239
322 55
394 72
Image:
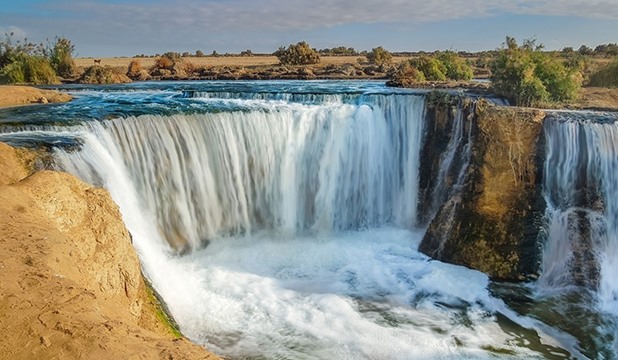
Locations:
581 189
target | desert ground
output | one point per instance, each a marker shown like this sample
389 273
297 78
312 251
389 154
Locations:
208 61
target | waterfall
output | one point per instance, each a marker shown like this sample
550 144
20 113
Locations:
308 202
290 167
581 189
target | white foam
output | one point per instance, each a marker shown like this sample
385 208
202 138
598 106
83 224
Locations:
353 295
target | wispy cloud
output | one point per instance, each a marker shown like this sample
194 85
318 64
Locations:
309 14
217 23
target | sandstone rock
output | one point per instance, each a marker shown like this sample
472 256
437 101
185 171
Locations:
492 221
11 95
71 284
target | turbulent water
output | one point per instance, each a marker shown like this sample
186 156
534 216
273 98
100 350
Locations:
279 220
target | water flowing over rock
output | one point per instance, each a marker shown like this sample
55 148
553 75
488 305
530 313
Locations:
581 190
281 216
296 168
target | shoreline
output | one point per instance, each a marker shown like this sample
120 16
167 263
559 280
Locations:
20 95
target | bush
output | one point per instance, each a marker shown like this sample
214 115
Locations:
561 83
13 73
38 71
527 77
135 68
379 56
456 67
60 56
34 70
607 76
406 76
163 63
432 68
299 54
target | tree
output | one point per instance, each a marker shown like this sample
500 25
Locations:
60 55
379 56
456 67
526 76
297 54
199 53
585 50
432 68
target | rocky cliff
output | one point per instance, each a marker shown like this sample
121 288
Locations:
70 282
486 199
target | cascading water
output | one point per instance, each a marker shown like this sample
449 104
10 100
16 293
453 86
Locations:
307 202
581 190
290 167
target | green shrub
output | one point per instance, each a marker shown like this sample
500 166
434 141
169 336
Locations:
559 81
13 73
60 56
607 76
527 77
24 62
456 67
28 69
379 56
432 68
38 71
298 54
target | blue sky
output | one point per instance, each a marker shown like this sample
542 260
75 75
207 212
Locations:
126 28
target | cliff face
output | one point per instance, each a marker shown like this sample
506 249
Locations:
489 219
70 282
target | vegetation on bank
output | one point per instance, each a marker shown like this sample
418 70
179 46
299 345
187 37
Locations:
442 66
24 62
606 76
527 76
379 56
297 54
98 74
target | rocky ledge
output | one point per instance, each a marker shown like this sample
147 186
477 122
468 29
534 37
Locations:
71 286
488 205
14 95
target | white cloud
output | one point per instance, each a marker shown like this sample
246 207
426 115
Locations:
101 25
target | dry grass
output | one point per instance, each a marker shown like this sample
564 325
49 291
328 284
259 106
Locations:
224 61
598 98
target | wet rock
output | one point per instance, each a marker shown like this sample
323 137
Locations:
491 222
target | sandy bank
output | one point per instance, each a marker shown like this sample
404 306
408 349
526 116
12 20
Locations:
14 95
70 282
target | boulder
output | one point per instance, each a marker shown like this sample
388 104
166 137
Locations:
491 221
